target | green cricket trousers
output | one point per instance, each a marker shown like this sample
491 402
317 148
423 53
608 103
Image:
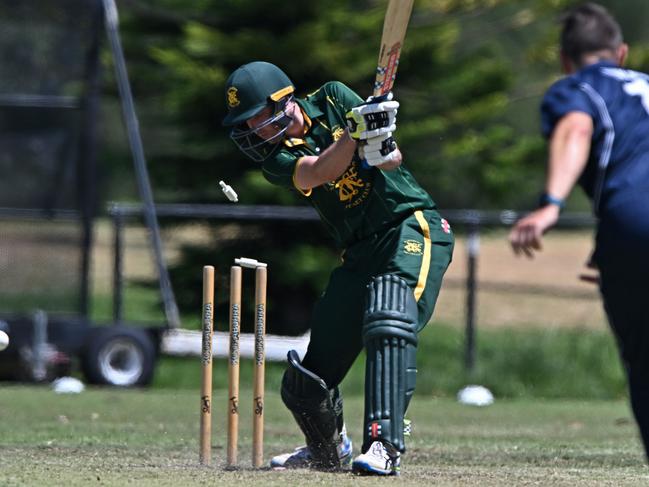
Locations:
418 249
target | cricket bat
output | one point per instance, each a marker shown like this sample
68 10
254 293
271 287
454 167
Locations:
394 31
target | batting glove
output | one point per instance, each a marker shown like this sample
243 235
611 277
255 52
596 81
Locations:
374 118
378 150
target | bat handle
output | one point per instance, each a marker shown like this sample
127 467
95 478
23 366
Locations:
378 98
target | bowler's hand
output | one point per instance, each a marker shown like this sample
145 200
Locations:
526 236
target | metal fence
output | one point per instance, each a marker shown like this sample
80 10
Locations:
470 222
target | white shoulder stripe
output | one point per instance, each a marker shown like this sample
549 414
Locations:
609 139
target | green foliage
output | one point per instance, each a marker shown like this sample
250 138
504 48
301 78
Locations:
457 77
466 67
470 80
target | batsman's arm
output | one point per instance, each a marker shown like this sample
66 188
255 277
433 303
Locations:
313 171
568 156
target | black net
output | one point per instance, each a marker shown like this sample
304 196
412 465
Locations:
44 46
48 51
39 158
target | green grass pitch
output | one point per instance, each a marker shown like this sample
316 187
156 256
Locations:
115 437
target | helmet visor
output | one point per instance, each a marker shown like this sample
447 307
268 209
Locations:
262 140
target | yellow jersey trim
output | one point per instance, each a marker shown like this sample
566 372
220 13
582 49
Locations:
307 192
307 122
294 142
425 265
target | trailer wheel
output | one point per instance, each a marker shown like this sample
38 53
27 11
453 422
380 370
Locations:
119 356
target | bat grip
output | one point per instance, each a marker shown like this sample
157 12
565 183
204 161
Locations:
377 98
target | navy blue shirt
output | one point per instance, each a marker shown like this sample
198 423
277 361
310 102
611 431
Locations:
616 177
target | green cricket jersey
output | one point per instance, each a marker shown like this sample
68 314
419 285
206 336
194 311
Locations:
362 201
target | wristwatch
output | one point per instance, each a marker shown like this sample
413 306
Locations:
547 199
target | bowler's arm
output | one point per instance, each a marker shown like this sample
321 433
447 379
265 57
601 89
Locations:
568 155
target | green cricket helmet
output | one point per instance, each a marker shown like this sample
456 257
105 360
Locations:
248 90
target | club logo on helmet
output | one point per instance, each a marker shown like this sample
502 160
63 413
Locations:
233 97
249 89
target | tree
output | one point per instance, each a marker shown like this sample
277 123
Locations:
469 82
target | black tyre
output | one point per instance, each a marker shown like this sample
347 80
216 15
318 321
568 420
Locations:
119 356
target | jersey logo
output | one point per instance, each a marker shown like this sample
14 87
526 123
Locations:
337 132
412 247
233 97
635 83
349 184
446 227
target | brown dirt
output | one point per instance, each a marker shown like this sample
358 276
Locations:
517 291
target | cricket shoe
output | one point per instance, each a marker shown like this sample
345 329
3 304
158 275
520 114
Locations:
302 457
379 459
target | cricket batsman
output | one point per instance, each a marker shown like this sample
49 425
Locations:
338 152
